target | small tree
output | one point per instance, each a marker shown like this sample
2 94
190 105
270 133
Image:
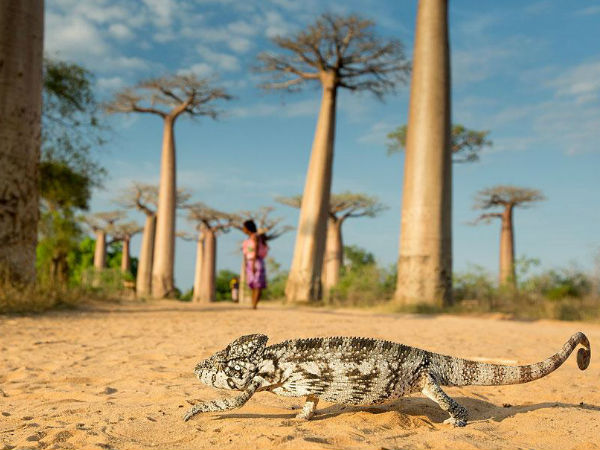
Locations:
123 232
179 95
341 207
339 52
100 223
270 228
505 198
466 144
209 224
144 198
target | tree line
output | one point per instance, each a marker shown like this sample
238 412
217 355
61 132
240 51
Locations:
336 51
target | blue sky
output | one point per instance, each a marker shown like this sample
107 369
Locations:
527 71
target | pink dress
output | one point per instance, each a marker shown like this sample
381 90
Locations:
256 276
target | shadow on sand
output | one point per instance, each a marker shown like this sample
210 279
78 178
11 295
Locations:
479 410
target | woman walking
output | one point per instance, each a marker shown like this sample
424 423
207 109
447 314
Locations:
255 250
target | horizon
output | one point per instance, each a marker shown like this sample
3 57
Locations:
516 72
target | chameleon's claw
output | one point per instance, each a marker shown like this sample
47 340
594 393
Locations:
456 422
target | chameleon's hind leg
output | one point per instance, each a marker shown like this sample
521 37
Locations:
308 410
432 390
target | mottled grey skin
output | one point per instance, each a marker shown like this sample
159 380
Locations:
358 371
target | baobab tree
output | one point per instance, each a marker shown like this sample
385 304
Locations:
123 232
341 207
506 198
270 227
21 56
425 253
178 95
465 144
339 52
100 223
144 198
209 224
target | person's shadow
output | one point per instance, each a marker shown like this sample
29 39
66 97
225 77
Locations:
479 410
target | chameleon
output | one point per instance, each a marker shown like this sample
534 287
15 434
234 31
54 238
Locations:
358 371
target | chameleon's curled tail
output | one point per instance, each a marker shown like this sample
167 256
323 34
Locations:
461 372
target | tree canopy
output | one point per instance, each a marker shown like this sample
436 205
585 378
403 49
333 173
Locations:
466 143
505 196
178 94
344 205
345 47
71 125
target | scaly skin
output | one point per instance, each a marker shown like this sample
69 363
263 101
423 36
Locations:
358 371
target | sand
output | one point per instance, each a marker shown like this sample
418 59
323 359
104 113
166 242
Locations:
118 376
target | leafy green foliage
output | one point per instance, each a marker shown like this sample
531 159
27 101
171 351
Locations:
71 124
362 281
466 144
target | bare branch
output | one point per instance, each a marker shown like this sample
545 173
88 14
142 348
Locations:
344 205
344 46
504 196
213 219
178 94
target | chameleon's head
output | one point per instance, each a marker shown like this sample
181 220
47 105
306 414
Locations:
235 366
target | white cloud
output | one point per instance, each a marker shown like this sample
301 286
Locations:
581 83
110 83
589 11
73 38
223 61
199 69
120 31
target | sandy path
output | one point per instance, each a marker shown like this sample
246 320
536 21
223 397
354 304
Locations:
119 376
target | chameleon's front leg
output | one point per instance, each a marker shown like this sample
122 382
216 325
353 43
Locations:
308 410
458 413
225 403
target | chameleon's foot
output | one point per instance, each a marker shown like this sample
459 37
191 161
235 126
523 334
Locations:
308 411
188 415
455 422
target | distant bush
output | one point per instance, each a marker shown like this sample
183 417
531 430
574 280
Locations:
362 281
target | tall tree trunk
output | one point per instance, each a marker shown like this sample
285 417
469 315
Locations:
425 261
199 267
99 256
334 254
507 249
21 39
304 280
126 256
100 250
163 284
207 285
144 273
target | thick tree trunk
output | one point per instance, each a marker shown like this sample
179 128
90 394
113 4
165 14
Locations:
207 284
163 284
199 267
144 274
304 280
334 254
245 295
507 250
425 261
21 39
126 256
100 250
